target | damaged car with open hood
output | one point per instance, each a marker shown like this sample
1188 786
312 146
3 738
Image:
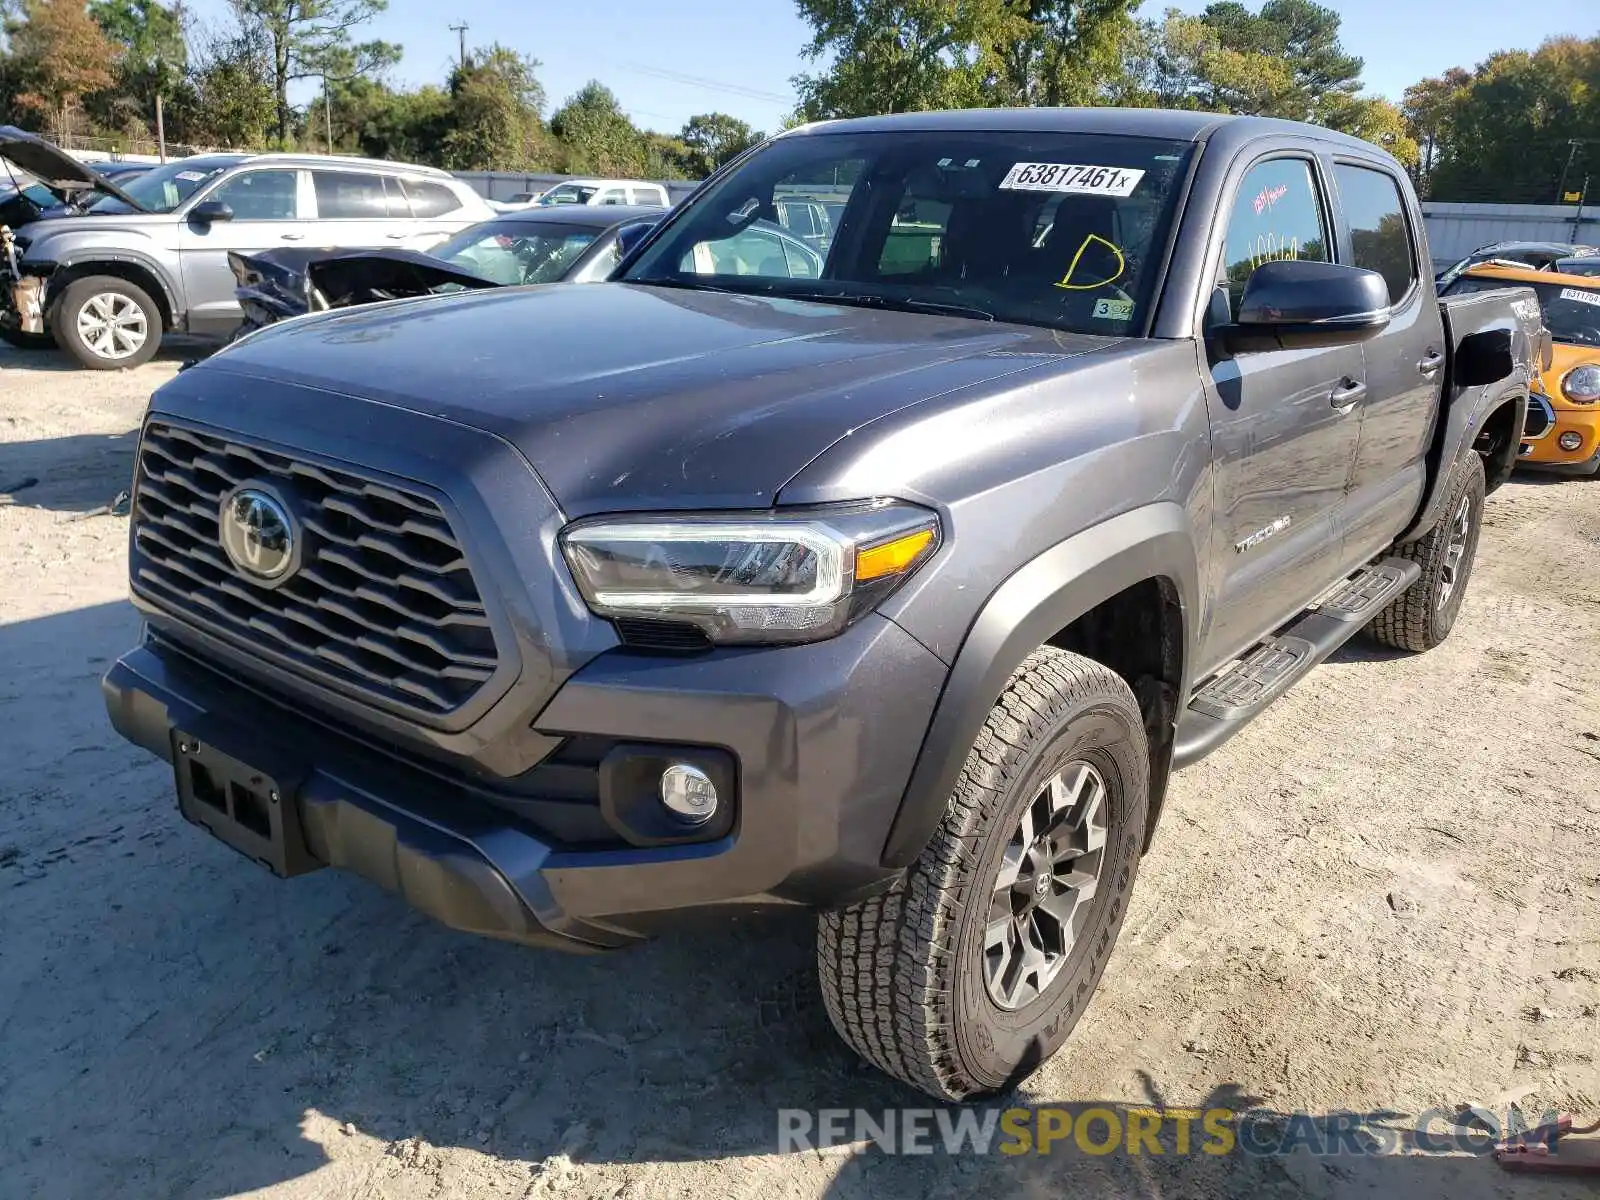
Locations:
538 245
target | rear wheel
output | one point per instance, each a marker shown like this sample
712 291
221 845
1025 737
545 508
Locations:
975 969
1423 615
106 323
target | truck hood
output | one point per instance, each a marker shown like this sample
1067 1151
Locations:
54 167
625 397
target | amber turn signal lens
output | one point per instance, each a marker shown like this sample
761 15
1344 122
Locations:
892 558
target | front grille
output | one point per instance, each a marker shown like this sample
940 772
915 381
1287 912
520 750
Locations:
383 604
1540 417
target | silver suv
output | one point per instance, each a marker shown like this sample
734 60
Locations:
153 256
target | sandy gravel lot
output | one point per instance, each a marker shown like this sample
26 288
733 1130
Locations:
1385 895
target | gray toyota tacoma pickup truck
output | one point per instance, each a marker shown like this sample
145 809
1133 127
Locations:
895 592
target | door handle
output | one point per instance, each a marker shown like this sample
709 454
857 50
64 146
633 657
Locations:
397 236
292 237
1430 364
1347 394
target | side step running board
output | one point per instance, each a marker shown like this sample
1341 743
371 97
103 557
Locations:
1231 700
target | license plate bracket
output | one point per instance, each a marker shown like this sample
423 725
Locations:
250 808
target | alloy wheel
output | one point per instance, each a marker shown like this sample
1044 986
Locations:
1047 877
112 325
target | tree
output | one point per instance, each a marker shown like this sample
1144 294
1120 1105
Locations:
1053 52
312 37
230 100
58 56
152 62
711 139
494 118
1503 132
893 56
597 136
1428 108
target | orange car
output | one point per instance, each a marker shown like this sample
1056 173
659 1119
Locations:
1563 429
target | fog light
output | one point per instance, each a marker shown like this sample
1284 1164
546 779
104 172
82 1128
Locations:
688 792
1570 440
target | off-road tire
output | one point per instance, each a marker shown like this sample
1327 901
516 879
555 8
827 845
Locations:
22 340
64 321
902 974
1416 620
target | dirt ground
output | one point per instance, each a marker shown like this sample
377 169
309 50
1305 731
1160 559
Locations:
1384 896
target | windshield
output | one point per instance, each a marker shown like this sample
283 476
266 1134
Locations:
1571 314
162 189
1057 229
569 193
517 252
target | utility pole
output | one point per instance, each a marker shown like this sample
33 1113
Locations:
161 130
327 110
461 32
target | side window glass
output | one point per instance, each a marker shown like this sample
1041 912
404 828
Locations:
261 195
1379 237
431 199
1277 216
346 195
614 196
395 198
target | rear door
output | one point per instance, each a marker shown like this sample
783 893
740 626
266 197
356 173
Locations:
1284 423
1404 363
269 210
353 210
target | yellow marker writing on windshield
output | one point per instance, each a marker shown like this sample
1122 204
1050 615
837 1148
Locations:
1122 265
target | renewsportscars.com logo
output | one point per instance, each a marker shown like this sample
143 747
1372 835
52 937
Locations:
1102 1129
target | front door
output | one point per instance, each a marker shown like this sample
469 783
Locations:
1284 425
266 208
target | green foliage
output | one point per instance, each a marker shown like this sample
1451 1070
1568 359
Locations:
312 37
598 137
711 139
1503 131
493 122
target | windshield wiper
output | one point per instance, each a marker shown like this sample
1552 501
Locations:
905 303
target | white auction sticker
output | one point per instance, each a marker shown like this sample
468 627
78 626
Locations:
1581 296
1071 177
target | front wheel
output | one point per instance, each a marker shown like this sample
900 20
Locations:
1422 616
106 323
975 968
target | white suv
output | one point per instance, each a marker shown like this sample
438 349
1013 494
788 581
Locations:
607 191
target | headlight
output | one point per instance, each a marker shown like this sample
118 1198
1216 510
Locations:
797 576
1582 385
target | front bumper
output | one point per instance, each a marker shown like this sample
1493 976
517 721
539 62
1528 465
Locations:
1546 451
823 738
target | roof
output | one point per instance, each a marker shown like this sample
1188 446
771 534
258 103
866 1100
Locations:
1177 124
1564 249
597 182
348 160
589 216
1530 275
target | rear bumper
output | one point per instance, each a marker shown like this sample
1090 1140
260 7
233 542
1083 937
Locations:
822 751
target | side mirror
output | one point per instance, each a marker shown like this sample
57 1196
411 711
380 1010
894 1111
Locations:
208 211
1293 305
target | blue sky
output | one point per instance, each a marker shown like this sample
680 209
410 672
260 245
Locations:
669 59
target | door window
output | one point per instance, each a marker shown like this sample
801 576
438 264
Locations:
1379 237
1277 216
614 196
261 195
350 195
754 251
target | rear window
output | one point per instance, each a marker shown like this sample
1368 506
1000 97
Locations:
1379 235
431 199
